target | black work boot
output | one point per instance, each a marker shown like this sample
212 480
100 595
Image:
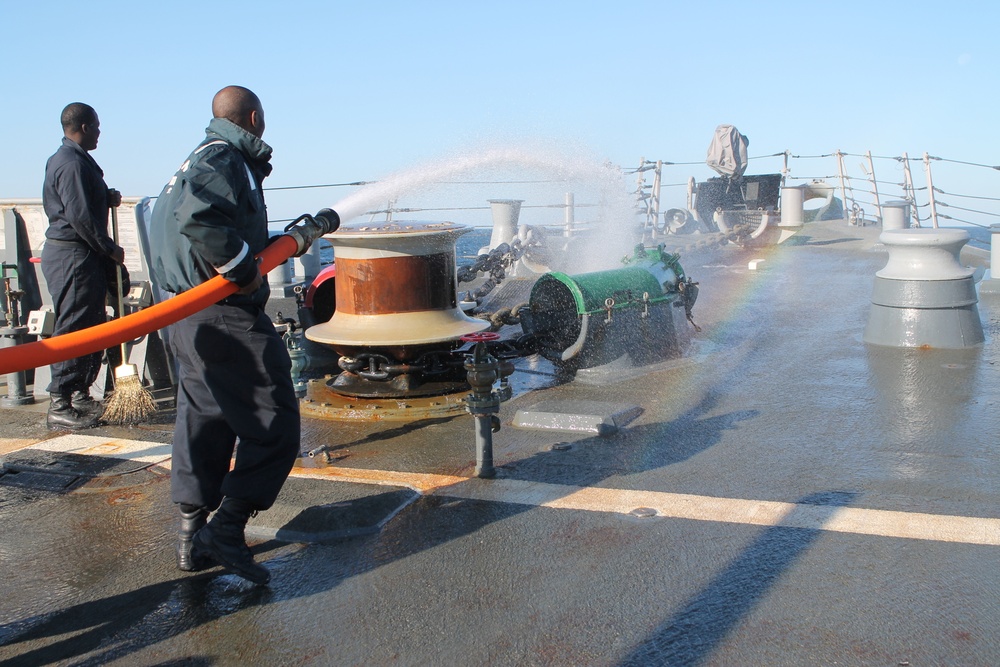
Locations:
62 414
224 541
193 519
85 404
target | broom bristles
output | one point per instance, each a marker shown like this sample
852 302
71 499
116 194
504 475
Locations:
130 402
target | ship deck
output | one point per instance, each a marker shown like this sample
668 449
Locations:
784 495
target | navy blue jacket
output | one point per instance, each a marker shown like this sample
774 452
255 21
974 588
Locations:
75 199
210 218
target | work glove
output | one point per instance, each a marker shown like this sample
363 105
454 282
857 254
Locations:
111 276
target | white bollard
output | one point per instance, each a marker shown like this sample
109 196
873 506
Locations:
308 266
994 250
280 277
505 215
792 206
990 284
896 214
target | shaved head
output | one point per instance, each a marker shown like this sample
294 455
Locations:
240 106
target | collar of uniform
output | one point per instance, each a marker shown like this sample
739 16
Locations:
69 143
253 148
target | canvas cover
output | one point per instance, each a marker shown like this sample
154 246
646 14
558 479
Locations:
727 154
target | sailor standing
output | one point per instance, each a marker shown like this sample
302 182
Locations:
79 260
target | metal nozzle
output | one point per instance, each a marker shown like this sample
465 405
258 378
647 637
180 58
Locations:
306 228
329 218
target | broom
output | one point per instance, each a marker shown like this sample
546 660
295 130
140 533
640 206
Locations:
130 402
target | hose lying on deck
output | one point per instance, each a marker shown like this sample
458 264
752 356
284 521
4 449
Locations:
93 339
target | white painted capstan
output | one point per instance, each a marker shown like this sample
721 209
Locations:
924 254
924 296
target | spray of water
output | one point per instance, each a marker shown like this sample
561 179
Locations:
589 179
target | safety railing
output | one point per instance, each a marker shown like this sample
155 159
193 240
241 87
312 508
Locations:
951 192
940 191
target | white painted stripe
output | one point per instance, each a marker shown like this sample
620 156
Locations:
253 181
854 520
235 260
217 142
94 445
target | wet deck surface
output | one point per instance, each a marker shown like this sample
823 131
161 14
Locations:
787 496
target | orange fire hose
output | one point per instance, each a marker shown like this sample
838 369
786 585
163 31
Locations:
78 343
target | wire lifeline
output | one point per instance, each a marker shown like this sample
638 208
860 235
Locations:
953 194
971 164
323 185
969 210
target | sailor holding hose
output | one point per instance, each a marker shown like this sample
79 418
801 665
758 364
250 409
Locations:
235 390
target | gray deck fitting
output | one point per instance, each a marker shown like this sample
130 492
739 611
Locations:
577 416
332 511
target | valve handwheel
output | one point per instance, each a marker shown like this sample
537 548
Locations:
481 337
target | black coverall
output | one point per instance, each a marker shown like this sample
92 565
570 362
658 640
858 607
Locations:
234 377
77 255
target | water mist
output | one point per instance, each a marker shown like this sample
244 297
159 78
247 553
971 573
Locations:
592 181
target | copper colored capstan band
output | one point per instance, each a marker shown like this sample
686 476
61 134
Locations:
390 285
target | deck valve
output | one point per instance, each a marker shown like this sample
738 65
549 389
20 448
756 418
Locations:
482 371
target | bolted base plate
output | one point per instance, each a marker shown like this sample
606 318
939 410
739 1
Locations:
402 387
322 401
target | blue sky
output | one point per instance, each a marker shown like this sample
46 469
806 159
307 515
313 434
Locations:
357 90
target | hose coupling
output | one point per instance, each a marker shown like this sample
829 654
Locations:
306 228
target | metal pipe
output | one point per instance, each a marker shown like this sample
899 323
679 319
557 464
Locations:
17 394
482 370
569 213
484 447
655 192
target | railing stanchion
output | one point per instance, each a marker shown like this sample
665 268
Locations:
871 177
930 189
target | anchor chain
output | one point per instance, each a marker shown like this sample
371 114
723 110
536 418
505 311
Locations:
380 368
495 263
704 241
498 259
